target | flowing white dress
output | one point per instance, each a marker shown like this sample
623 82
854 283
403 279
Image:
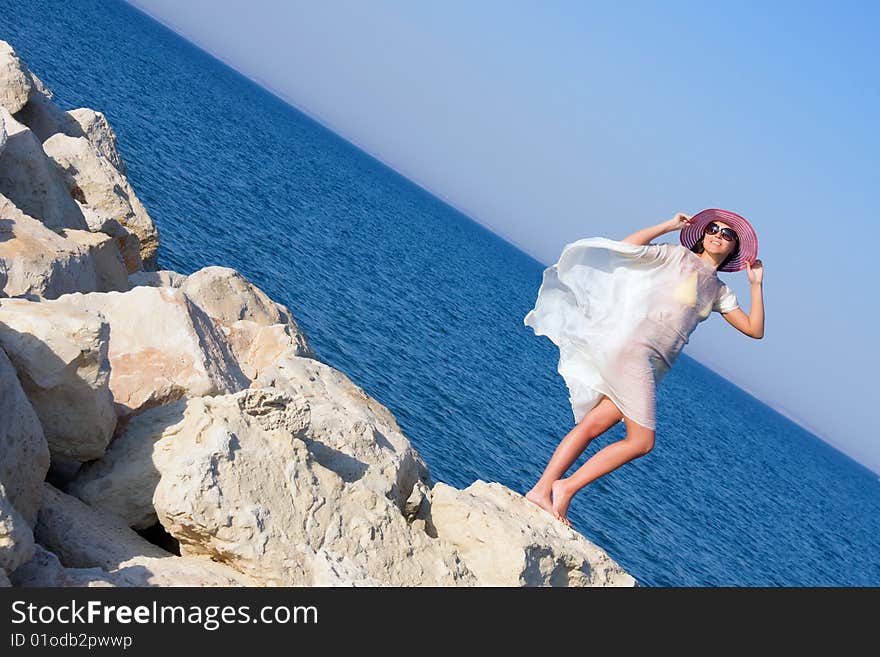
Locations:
620 314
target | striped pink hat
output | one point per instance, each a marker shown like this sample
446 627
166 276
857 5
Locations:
748 240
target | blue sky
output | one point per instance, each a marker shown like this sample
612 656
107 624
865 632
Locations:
548 122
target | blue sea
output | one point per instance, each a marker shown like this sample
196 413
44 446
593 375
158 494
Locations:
423 307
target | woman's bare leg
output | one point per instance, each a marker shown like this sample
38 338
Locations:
639 441
602 416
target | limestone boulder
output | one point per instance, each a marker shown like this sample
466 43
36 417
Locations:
177 571
349 425
227 296
83 537
15 80
32 103
16 538
127 242
110 269
331 568
94 126
60 353
124 480
290 491
242 479
508 541
45 570
41 114
38 262
349 431
24 455
94 181
31 180
161 278
161 347
258 348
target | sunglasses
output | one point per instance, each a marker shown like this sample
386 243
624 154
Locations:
726 233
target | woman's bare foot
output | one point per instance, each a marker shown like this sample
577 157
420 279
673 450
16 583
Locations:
541 498
561 497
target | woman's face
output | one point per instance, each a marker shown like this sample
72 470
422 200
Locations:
716 243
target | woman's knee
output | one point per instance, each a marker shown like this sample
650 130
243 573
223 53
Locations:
641 440
645 445
596 426
601 418
590 428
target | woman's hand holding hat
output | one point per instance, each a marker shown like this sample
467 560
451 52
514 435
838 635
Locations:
679 221
755 271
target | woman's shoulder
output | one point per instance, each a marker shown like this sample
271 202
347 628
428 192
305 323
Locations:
668 246
669 251
656 253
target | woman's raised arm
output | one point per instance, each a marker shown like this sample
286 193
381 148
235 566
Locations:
645 235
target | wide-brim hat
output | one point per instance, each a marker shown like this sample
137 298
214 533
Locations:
748 239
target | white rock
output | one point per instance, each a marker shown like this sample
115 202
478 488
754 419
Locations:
41 114
349 432
83 537
258 348
45 118
508 541
349 425
242 481
286 495
178 571
15 81
162 347
61 355
161 278
416 499
16 538
32 182
94 181
38 262
40 86
95 127
24 455
227 296
123 481
243 309
329 568
127 242
45 570
110 268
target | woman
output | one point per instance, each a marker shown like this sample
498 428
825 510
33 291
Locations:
620 313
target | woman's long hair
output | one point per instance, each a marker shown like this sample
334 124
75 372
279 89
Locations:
698 248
